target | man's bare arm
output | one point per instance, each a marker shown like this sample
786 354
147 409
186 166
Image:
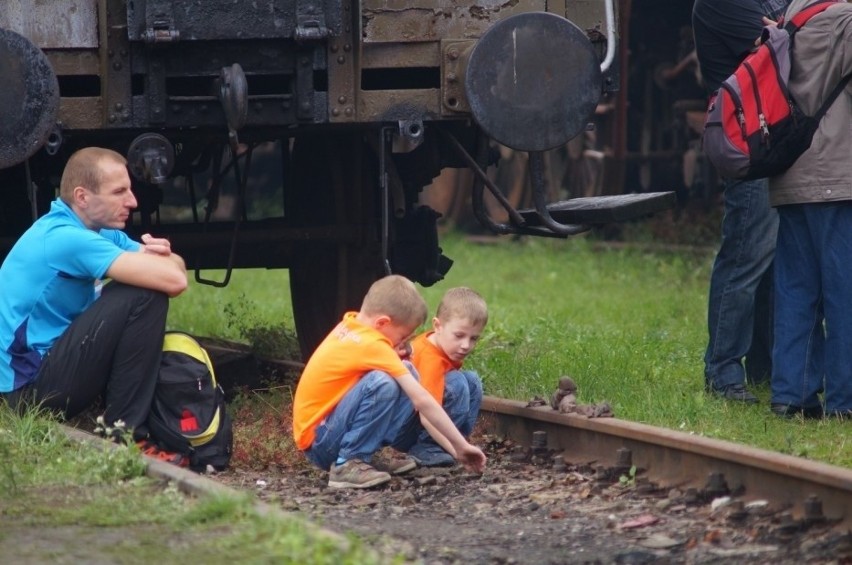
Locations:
165 273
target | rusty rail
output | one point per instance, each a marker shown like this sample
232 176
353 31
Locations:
811 490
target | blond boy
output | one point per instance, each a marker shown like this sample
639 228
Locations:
355 394
438 356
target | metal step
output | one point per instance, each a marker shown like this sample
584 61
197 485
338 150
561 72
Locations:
595 210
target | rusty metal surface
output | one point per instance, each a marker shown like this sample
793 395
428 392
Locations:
58 24
156 21
431 20
533 81
343 58
29 98
672 458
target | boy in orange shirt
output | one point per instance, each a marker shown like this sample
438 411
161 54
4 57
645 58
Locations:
355 394
437 356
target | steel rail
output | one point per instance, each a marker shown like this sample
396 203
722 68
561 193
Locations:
810 490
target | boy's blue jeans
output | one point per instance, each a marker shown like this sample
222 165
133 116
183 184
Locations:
749 230
462 400
813 286
369 417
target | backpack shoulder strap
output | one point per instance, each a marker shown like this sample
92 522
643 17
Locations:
807 13
188 345
832 97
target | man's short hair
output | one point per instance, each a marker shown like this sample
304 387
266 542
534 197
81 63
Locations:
397 297
83 169
462 303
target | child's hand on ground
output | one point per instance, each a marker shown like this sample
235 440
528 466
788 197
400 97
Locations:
472 458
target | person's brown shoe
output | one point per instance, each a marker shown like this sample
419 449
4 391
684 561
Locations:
355 474
393 462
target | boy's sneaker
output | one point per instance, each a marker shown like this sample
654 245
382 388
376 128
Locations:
151 449
430 455
393 462
355 474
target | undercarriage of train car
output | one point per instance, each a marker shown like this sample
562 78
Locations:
300 134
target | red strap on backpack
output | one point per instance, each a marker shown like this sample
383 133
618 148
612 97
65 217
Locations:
807 13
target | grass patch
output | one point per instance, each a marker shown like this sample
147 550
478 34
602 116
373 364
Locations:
628 324
63 501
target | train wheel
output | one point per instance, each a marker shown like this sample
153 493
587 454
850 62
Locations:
334 184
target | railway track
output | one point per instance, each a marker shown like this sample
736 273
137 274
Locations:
705 467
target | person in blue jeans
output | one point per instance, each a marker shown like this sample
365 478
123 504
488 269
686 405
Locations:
740 311
356 394
813 289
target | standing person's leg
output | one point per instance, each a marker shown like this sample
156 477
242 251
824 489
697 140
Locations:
758 360
798 355
749 231
113 348
835 223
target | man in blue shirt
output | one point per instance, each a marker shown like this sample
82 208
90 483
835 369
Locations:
67 339
740 309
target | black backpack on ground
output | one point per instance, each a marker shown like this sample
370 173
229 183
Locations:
188 414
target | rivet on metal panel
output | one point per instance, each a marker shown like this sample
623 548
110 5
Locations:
347 47
335 111
116 66
341 99
334 48
348 112
453 54
451 77
119 106
112 118
341 59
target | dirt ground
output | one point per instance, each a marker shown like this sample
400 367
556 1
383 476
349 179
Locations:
540 509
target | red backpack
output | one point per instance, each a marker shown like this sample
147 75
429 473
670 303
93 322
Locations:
753 127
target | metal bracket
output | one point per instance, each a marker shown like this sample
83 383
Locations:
518 225
310 21
160 19
233 95
453 65
408 136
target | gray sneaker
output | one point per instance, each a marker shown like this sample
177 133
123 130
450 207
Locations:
393 462
355 474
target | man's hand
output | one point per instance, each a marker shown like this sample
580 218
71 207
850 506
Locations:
156 245
472 458
766 22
